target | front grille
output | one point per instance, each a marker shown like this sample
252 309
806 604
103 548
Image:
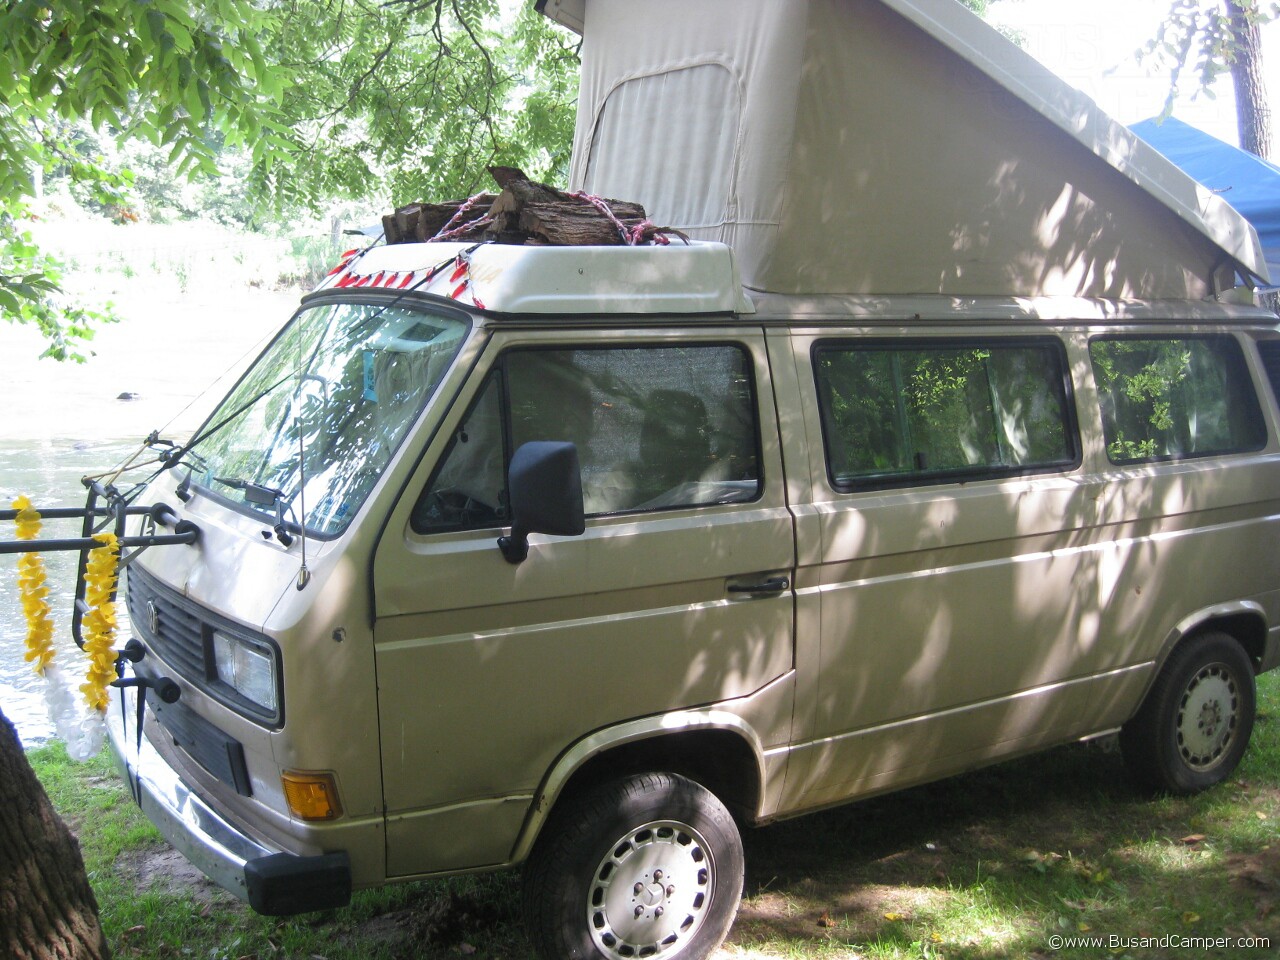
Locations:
165 626
180 632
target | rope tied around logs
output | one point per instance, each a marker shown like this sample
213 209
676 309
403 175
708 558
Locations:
527 212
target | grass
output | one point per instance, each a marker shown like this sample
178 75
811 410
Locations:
994 864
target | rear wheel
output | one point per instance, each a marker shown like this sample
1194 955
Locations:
1195 724
646 866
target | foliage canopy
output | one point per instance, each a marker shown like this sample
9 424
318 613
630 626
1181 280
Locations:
311 100
416 97
172 72
1202 37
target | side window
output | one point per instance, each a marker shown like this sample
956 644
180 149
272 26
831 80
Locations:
1169 398
896 412
656 428
468 489
1269 350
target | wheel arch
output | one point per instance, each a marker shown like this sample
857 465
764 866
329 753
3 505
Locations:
1244 620
715 748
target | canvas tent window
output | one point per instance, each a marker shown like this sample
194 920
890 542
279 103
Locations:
685 170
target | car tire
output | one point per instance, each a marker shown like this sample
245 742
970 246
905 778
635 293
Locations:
649 865
1195 723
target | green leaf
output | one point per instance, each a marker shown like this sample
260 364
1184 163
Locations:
181 36
154 23
10 305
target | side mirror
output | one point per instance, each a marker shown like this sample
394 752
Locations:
545 487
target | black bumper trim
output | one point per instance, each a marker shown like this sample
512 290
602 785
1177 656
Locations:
284 884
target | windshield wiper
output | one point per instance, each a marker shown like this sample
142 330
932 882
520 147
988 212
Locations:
192 460
261 495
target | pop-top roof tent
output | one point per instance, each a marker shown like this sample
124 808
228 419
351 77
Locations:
883 147
1248 182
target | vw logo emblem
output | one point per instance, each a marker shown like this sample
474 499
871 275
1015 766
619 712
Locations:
153 618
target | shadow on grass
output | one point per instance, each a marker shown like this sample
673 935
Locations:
992 864
997 862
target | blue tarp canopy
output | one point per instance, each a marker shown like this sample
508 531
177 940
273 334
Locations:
1248 183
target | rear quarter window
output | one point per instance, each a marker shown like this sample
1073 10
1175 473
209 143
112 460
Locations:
1172 398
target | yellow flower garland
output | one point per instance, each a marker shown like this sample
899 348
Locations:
33 591
100 621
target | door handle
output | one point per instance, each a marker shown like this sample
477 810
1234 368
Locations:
772 585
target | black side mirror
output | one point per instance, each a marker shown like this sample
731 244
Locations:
545 487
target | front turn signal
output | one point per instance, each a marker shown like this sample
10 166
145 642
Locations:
311 796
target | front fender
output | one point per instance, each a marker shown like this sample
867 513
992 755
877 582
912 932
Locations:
633 731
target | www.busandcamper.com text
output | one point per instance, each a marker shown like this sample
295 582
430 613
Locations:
1169 942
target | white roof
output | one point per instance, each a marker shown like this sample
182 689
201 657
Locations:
880 147
697 278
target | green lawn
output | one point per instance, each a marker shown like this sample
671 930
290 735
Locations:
994 864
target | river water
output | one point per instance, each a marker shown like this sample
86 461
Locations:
48 472
162 368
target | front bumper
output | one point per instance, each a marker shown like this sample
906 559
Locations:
273 882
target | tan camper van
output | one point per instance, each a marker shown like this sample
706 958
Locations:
946 439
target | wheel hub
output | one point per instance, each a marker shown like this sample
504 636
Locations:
651 891
653 894
1207 716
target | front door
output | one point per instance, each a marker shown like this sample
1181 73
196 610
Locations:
488 671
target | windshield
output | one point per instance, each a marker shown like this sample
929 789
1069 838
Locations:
336 392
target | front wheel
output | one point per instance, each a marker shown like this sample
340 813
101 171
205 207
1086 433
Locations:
1194 726
645 866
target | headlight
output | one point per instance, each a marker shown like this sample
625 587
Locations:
247 668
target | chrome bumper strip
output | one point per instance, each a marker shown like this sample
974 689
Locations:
205 838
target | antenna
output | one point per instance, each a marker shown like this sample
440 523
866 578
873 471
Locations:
304 575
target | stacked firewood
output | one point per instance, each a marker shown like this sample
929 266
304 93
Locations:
525 211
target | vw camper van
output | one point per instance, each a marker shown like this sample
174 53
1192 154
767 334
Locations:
950 436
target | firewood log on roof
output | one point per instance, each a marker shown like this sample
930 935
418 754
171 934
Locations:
526 211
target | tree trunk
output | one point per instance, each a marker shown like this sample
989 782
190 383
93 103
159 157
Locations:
47 908
1253 115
